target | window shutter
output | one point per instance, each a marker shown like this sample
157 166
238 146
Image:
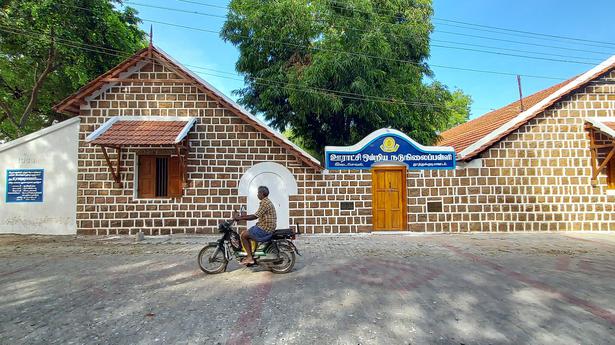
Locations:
175 189
147 177
610 174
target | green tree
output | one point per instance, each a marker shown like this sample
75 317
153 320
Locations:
44 54
335 71
459 107
298 140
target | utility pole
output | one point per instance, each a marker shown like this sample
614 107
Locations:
151 39
520 93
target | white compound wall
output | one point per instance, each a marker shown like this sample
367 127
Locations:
38 181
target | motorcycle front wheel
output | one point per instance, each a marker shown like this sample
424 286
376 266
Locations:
211 259
286 262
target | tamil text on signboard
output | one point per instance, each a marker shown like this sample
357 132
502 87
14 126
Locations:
24 185
388 145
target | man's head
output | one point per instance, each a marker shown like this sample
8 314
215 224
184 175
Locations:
263 192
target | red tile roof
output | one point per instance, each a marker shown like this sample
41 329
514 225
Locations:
71 104
473 137
611 125
466 134
605 125
141 133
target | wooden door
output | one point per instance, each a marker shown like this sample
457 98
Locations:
176 181
147 177
389 198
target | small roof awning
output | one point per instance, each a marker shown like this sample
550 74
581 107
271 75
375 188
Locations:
121 131
606 126
141 130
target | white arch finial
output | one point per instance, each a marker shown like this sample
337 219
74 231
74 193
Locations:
268 167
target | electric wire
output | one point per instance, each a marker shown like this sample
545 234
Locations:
508 49
464 35
522 43
366 31
369 55
468 24
355 53
105 50
257 80
501 30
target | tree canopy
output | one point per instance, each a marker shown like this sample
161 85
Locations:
459 107
46 53
335 71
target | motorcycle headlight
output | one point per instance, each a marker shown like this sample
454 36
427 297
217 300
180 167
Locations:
223 227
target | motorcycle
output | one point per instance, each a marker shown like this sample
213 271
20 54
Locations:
276 255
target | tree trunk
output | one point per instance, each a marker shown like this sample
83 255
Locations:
49 67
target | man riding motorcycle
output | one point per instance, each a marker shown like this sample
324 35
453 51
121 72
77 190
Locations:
264 228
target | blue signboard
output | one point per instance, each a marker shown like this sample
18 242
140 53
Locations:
389 145
24 185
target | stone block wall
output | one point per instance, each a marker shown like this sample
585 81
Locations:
323 194
223 148
536 179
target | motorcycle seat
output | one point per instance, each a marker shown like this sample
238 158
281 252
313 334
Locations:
282 234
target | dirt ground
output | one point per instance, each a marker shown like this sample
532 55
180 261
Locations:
536 288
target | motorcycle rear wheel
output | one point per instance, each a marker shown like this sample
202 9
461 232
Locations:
209 264
287 255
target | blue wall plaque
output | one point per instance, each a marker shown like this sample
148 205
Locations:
24 185
389 145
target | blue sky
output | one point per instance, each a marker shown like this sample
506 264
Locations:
583 20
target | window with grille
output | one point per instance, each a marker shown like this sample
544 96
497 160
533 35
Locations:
159 177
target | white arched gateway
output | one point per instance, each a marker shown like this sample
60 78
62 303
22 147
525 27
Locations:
281 184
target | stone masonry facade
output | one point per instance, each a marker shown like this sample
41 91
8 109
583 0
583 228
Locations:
538 178
222 148
535 179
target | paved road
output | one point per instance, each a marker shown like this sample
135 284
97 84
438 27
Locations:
394 289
